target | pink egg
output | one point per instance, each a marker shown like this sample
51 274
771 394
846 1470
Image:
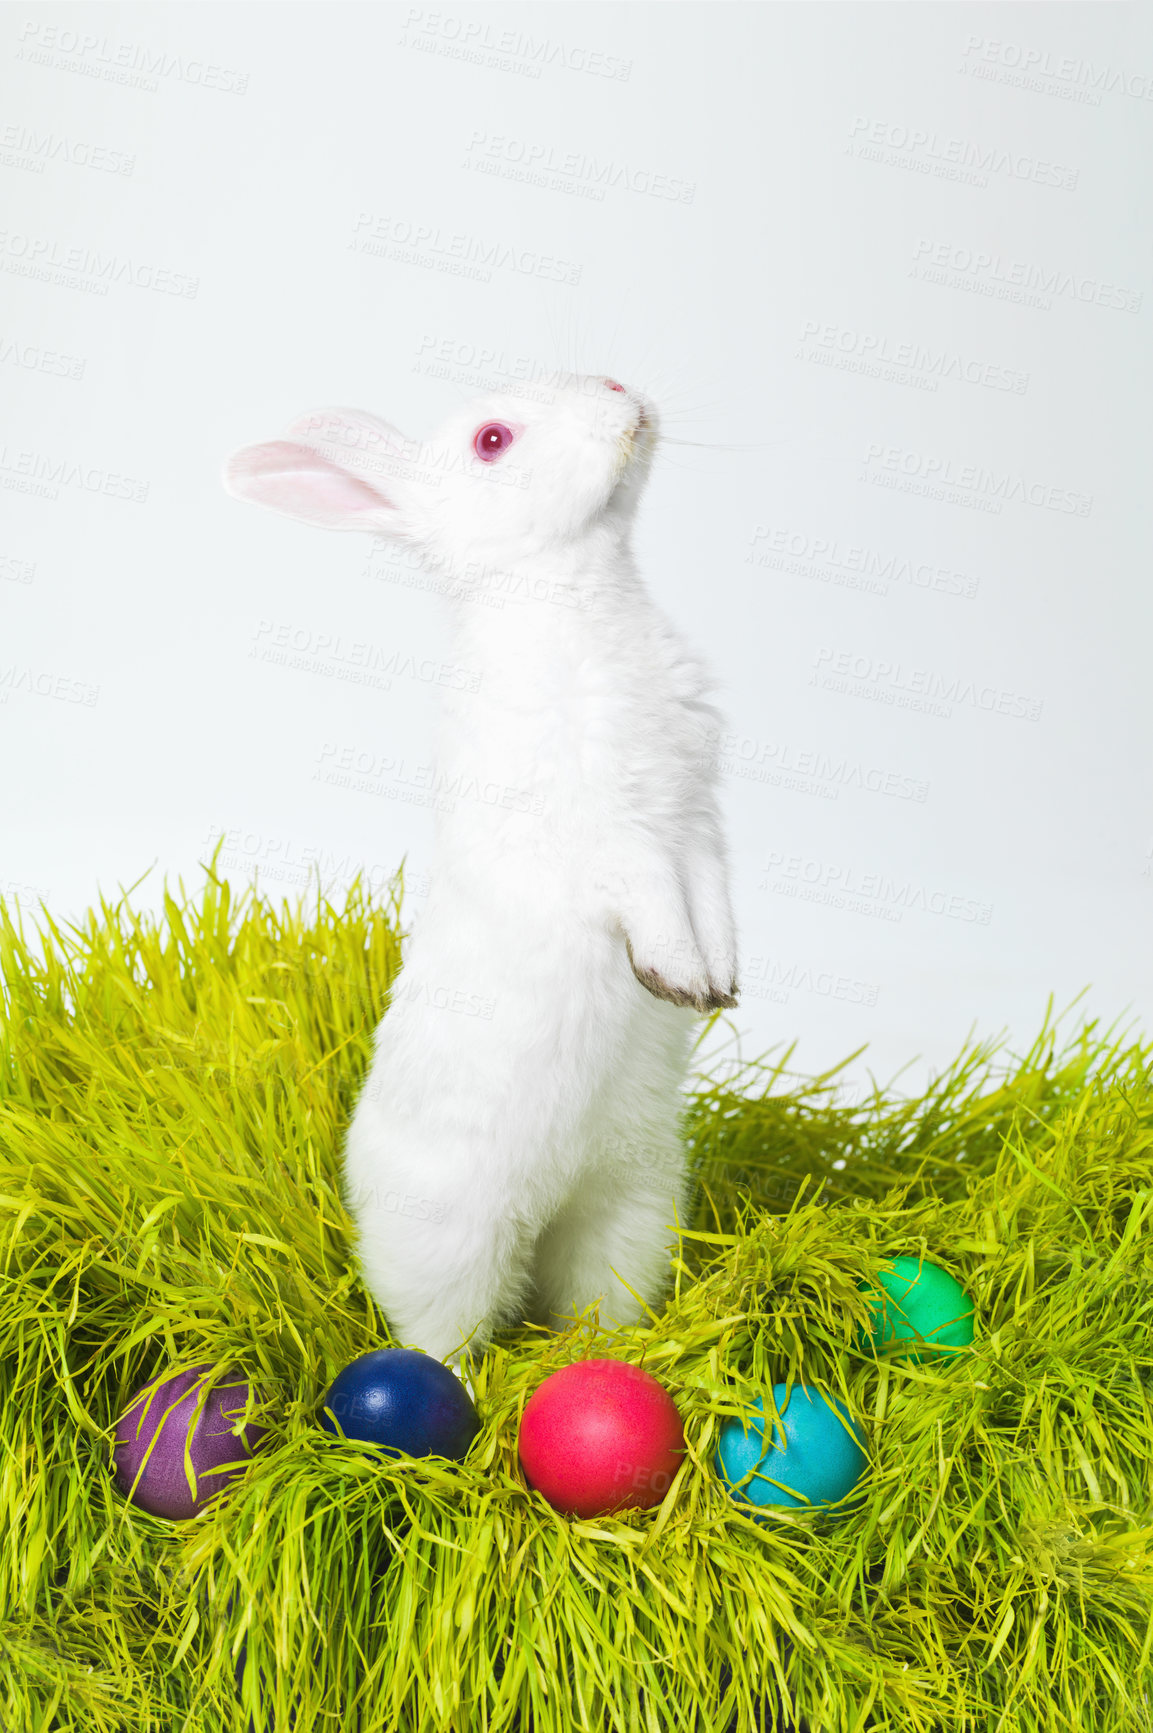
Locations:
599 1436
168 1408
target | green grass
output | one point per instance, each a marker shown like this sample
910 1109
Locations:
172 1095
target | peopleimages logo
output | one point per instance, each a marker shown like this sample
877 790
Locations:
35 359
83 268
850 565
1014 279
925 689
474 39
356 660
43 683
24 147
460 255
935 476
878 356
983 54
132 63
284 858
769 978
921 148
372 772
36 472
807 771
841 886
394 457
544 164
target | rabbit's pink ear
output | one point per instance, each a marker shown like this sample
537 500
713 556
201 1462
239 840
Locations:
292 477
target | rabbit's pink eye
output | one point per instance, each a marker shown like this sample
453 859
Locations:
493 438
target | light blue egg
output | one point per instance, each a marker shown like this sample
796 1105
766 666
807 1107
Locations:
820 1460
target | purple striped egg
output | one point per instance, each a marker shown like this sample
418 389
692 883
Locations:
163 1488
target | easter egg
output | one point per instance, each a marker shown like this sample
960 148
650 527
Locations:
919 1306
599 1436
404 1401
165 1413
812 1455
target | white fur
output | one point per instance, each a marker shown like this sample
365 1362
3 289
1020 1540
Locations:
515 1151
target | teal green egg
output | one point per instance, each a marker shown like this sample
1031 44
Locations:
813 1455
919 1306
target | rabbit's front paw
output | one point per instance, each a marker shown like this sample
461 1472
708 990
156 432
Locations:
722 972
723 998
673 969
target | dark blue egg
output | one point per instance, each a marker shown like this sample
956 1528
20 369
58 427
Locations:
405 1401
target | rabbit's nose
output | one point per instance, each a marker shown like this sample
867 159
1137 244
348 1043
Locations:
613 386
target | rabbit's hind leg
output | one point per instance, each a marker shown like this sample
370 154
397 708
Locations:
446 1281
617 1228
613 1242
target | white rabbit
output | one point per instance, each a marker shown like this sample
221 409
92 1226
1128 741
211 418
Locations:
515 1151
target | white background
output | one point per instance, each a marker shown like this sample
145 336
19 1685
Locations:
886 266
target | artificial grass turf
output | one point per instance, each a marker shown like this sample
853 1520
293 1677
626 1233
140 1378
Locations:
172 1094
